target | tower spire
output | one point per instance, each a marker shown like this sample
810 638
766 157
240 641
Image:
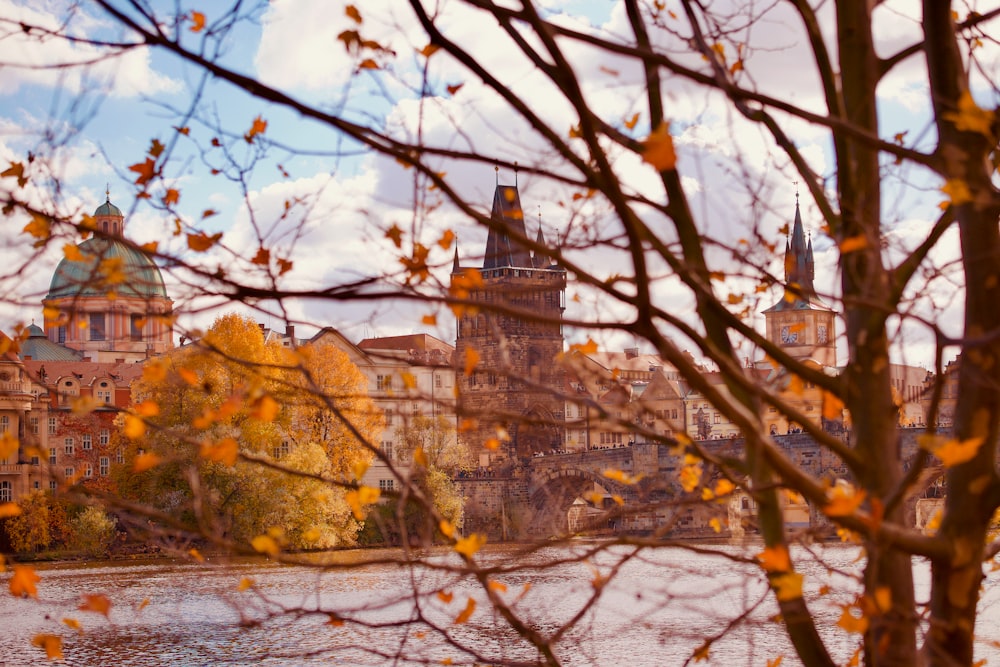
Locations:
799 263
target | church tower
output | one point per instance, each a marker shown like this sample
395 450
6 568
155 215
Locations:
515 337
801 323
107 299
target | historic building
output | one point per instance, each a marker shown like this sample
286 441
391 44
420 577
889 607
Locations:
509 337
107 300
800 322
106 311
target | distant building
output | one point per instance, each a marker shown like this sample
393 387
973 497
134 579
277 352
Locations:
506 351
106 311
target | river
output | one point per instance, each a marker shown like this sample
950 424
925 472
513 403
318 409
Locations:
657 609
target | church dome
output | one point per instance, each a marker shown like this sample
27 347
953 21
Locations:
107 208
136 275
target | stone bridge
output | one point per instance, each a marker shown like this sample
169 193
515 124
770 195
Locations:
541 496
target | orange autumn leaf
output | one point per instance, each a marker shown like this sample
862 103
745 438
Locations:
51 643
145 461
853 244
471 360
843 501
145 169
9 444
134 427
466 613
787 586
265 409
9 509
197 21
429 50
147 408
590 347
40 227
154 371
352 13
73 624
631 122
262 258
201 242
775 559
429 320
851 623
954 452
454 88
259 126
359 498
498 586
445 597
15 170
72 253
970 117
225 451
658 149
97 603
188 375
22 581
833 407
266 544
172 196
957 191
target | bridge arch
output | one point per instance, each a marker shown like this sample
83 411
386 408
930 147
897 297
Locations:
553 490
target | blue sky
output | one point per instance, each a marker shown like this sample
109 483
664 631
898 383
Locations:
109 113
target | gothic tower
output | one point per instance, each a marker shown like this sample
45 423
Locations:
515 337
801 322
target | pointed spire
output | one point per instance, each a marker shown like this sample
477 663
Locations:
505 242
455 266
799 264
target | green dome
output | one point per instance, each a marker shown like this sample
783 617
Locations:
88 277
107 208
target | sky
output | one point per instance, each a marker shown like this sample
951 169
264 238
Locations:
88 123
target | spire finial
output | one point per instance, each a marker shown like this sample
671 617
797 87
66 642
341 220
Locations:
496 168
107 192
515 173
796 183
539 216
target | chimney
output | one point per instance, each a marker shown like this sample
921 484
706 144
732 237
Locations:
261 325
631 352
290 331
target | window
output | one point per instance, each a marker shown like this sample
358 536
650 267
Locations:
69 472
385 485
437 381
61 335
85 441
33 425
68 446
97 326
4 423
383 382
6 492
105 437
136 323
105 466
104 391
88 470
716 418
387 449
120 455
388 416
52 456
52 425
52 484
281 450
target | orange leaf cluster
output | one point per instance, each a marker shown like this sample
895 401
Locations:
658 149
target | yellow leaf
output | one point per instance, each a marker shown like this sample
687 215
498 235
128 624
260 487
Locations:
658 149
148 409
368 63
787 586
498 586
197 21
420 457
73 624
853 244
359 468
9 444
9 509
72 253
631 122
409 380
468 546
715 524
40 227
775 559
97 603
690 477
843 501
145 461
188 375
359 498
851 623
724 487
957 191
701 653
446 528
955 452
22 581
970 117
466 613
776 662
135 427
429 50
445 597
51 643
621 476
883 599
196 555
246 583
266 544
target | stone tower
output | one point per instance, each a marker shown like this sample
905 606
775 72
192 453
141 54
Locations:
516 336
800 322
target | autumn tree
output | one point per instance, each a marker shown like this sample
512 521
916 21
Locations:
666 135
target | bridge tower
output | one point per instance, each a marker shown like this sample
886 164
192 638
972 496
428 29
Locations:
512 329
800 322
